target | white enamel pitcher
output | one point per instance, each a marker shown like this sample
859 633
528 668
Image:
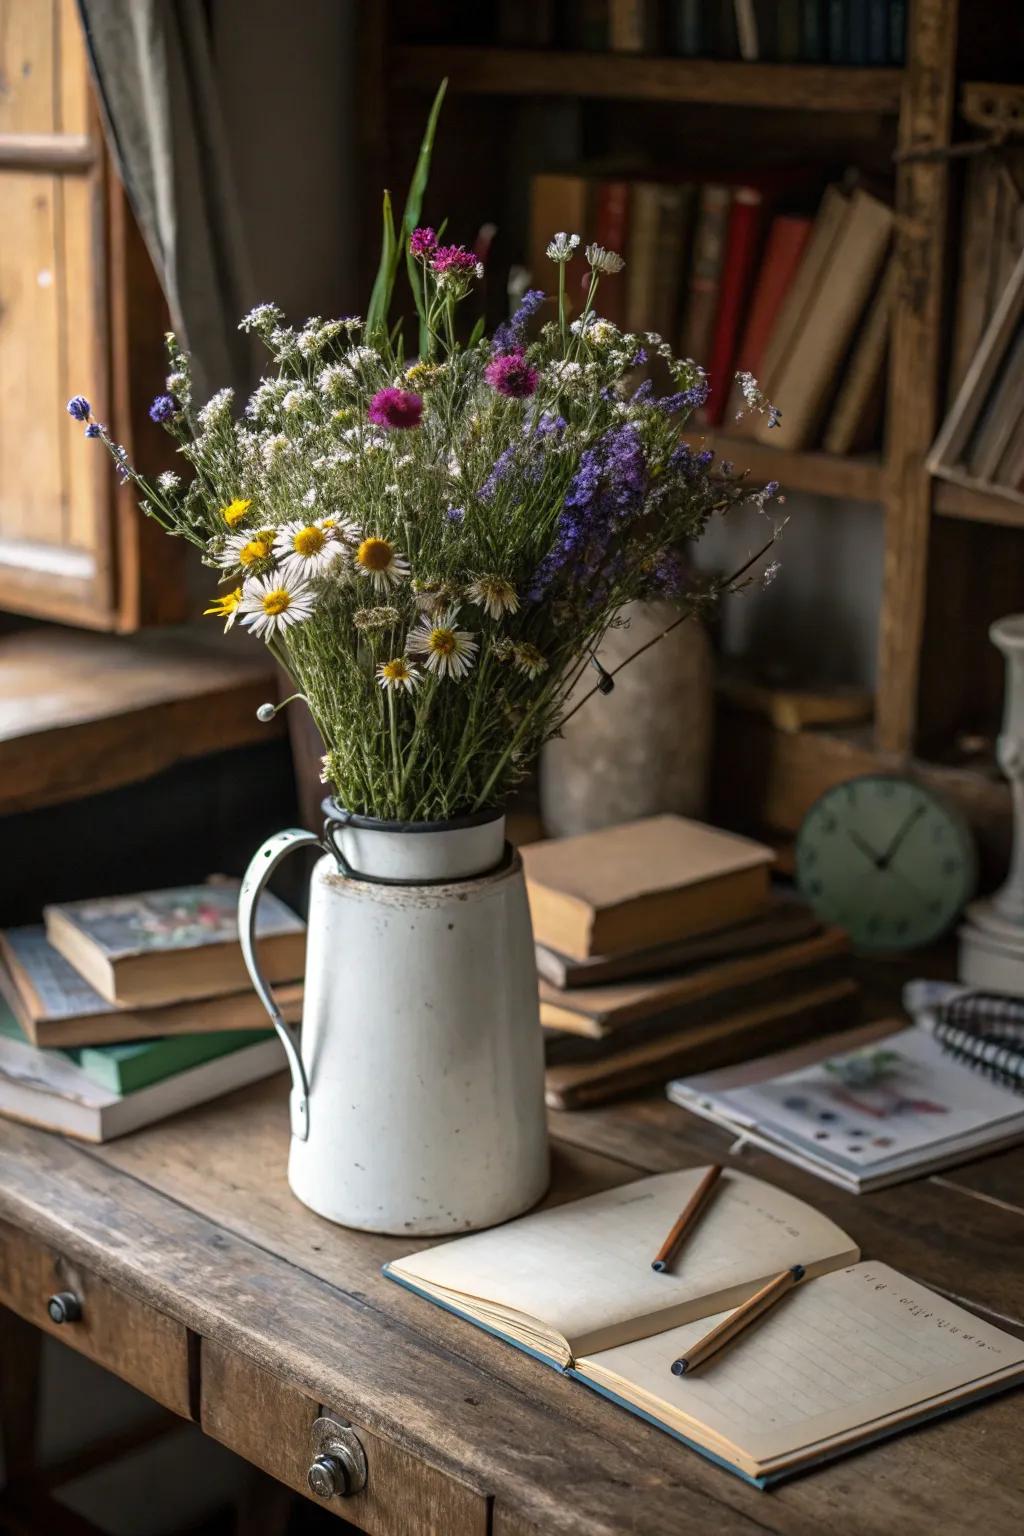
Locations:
417 1100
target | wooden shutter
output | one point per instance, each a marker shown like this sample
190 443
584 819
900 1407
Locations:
80 312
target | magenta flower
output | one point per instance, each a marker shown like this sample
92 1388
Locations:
511 375
396 408
453 258
422 242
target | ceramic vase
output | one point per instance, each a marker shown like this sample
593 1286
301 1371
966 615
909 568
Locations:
417 1100
644 748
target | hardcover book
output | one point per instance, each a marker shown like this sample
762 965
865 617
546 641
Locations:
855 1352
642 883
55 1006
166 946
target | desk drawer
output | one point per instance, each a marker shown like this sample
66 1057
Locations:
119 1332
270 1424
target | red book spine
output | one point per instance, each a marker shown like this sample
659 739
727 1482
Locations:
782 253
611 222
737 271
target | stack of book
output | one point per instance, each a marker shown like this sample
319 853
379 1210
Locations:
661 947
800 301
122 1010
851 32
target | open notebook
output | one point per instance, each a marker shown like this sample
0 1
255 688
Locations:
853 1352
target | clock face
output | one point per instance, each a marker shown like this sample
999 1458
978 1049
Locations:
887 860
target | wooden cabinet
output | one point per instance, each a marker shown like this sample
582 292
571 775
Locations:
270 1424
121 1333
80 312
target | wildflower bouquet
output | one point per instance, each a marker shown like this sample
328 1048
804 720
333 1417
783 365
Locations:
433 552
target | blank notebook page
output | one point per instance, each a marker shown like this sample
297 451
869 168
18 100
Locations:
586 1267
849 1348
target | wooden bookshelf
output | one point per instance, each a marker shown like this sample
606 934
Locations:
822 474
976 505
627 77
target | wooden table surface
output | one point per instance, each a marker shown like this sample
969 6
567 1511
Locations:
280 1312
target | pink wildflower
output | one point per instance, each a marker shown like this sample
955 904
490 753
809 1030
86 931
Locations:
396 408
511 375
453 258
422 242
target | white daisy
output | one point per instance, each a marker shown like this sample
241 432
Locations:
448 652
307 548
398 674
494 595
381 561
246 549
272 603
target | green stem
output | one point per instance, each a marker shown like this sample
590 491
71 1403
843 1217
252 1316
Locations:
395 760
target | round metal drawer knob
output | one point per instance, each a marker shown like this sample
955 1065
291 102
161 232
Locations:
64 1307
338 1468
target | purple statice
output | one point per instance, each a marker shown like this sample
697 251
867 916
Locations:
162 409
422 242
668 576
79 408
549 425
511 336
395 408
511 375
644 393
639 358
453 258
609 489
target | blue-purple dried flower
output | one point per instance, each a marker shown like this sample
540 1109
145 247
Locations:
163 408
511 336
79 408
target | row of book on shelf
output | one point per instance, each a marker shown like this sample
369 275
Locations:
662 946
981 441
850 32
800 300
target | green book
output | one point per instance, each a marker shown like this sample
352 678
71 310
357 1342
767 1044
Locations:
130 1065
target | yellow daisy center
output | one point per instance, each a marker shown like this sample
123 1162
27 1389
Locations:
309 541
277 601
395 671
375 554
442 641
256 549
235 511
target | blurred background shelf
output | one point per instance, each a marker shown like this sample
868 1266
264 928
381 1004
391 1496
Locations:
619 77
821 474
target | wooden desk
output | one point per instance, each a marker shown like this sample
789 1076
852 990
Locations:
206 1284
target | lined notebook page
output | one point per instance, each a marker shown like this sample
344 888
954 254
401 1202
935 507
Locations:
840 1351
584 1269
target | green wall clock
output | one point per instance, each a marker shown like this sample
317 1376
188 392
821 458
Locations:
887 860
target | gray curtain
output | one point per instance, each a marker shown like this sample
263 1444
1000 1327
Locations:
153 68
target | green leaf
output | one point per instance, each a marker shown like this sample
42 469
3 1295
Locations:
476 332
391 249
384 282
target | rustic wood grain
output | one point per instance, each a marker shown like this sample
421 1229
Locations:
619 77
132 1339
915 353
270 1424
855 478
304 1301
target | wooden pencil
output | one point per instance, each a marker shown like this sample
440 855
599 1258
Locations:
670 1247
741 1319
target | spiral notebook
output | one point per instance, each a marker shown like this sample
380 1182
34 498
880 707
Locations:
855 1352
863 1110
982 1030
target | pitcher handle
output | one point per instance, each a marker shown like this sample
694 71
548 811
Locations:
261 867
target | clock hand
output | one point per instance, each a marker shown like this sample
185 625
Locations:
890 853
865 848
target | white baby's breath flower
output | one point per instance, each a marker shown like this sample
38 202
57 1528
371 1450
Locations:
272 603
261 319
272 449
295 399
307 549
447 651
168 481
217 409
309 497
604 261
398 675
494 595
334 379
562 246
